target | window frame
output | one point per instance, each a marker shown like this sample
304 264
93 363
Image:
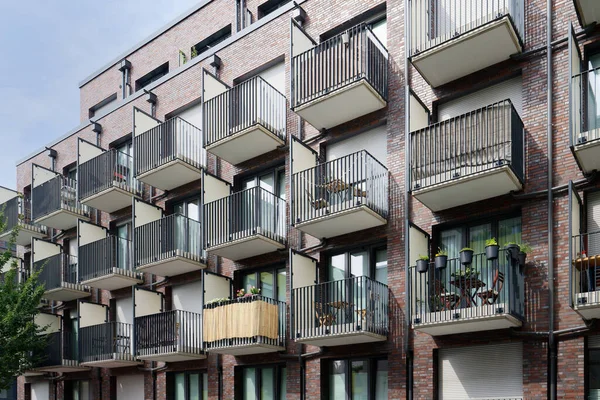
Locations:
152 76
277 371
371 377
273 268
275 171
186 395
371 249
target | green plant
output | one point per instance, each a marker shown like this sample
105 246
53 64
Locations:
218 300
423 258
254 290
194 52
525 248
511 244
441 252
182 57
491 242
466 249
465 273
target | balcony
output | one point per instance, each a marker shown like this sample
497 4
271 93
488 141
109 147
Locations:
169 336
345 195
54 203
588 11
169 155
17 211
59 275
106 345
585 274
245 121
585 119
169 246
106 181
245 224
243 326
452 39
473 157
60 355
348 311
340 79
107 264
481 296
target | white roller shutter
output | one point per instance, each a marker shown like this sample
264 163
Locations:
511 89
40 390
481 372
125 310
188 297
130 387
593 222
275 75
374 141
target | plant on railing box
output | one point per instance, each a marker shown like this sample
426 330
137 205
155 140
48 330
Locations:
441 258
466 255
217 301
242 292
513 250
524 250
467 273
491 249
422 264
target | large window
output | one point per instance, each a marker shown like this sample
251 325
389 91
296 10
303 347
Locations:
357 379
368 261
271 282
77 390
189 385
262 383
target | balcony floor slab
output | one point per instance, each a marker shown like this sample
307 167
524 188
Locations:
588 304
588 10
66 367
171 175
339 223
25 235
172 266
112 281
473 319
176 356
588 155
246 144
119 361
67 292
109 200
62 219
246 247
243 350
342 339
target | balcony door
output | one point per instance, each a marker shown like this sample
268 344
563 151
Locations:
124 165
123 245
187 225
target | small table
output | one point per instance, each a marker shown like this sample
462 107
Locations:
466 286
339 305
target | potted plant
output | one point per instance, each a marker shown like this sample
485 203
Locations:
466 255
491 249
422 264
441 258
467 273
524 250
513 250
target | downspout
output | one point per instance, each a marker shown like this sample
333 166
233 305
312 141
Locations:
552 345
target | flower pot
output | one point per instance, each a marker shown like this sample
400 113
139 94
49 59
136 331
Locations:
466 257
440 262
422 266
491 251
522 258
513 251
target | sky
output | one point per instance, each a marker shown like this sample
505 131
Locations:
46 48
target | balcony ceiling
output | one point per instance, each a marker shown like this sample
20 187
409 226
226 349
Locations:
245 145
109 200
111 363
588 305
247 247
246 349
24 236
343 222
67 293
343 339
588 10
171 175
448 326
172 266
172 357
112 282
61 219
588 155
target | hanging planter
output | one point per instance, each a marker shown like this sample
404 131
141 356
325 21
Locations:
491 249
466 256
422 264
513 251
524 248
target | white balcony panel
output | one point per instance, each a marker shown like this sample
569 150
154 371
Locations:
340 223
245 145
246 247
246 349
588 10
588 155
469 189
171 175
468 53
110 200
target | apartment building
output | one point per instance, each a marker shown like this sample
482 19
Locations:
275 199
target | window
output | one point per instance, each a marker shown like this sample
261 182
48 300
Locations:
77 390
593 89
272 180
152 76
10 393
354 379
593 372
271 282
367 261
189 385
262 383
102 106
268 7
211 41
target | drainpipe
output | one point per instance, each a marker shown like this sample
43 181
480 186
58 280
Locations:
97 129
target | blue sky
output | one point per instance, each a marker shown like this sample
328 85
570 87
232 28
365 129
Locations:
47 47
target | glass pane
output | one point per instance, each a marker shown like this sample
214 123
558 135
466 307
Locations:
509 230
379 29
249 280
282 383
337 381
205 386
179 387
267 384
593 105
267 182
337 267
123 231
360 379
194 387
250 183
381 380
281 282
381 267
249 384
359 263
179 208
451 241
281 184
193 210
266 282
478 235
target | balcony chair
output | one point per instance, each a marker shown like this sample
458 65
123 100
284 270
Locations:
443 300
324 318
491 295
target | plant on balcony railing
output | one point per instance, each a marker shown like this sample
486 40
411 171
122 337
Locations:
250 103
354 180
244 321
105 342
478 141
585 269
59 193
104 257
57 271
110 169
254 211
174 139
338 62
169 332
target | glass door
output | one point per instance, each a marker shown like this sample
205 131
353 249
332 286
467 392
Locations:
187 226
123 239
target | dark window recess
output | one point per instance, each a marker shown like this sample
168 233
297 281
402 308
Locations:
211 41
152 76
265 382
349 379
268 7
96 109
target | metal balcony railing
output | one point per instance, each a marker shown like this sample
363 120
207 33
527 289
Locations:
169 332
56 270
104 257
60 346
254 211
271 322
484 288
435 22
352 305
174 139
59 193
338 62
585 95
585 269
250 103
17 211
475 142
351 181
105 342
110 169
172 236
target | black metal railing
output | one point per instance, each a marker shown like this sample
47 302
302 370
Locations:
169 332
59 347
57 270
270 319
338 62
435 22
249 212
17 211
59 193
585 269
105 342
357 304
110 169
104 257
351 181
478 141
174 139
484 288
250 103
172 236
585 117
